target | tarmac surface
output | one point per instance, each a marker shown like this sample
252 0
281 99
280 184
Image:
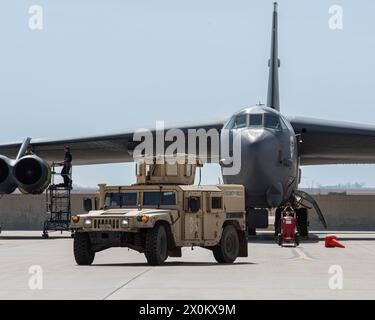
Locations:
36 268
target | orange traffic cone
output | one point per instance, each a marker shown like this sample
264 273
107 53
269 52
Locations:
331 242
327 242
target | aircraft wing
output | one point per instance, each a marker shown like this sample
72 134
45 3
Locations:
334 142
109 148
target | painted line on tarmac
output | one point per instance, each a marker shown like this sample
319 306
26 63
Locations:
126 283
299 254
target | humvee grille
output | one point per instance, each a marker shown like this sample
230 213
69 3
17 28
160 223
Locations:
107 223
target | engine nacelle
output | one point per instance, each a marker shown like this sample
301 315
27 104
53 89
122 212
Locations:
32 174
7 183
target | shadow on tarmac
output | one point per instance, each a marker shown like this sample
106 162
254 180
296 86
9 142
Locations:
270 238
313 238
172 264
33 238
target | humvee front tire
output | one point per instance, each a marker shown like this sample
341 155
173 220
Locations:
156 246
228 249
82 249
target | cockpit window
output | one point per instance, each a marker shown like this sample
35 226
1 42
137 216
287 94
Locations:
272 121
256 120
237 122
240 121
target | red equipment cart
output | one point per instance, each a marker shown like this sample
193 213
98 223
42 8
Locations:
288 227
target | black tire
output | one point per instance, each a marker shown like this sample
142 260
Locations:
277 223
302 222
82 249
156 247
228 249
279 240
252 231
297 240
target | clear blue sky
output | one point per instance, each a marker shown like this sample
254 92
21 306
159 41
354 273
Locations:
109 65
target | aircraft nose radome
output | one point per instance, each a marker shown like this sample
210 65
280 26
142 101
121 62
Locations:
260 146
259 164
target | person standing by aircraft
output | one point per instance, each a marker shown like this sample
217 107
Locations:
67 165
29 151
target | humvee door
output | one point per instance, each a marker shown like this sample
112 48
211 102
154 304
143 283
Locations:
192 215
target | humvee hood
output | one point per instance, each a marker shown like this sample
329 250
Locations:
128 212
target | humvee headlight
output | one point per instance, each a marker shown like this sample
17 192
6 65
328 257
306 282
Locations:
88 223
124 223
75 219
144 218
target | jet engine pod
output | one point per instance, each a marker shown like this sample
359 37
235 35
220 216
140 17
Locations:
7 183
32 174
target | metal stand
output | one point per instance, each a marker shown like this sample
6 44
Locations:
58 205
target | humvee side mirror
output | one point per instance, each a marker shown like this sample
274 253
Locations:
194 204
87 204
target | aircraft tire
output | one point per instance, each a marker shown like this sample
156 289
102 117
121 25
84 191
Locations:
252 231
277 223
297 240
279 240
302 222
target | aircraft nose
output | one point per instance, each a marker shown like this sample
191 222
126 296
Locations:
261 158
260 149
259 168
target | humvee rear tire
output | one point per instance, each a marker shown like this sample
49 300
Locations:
156 247
228 249
82 249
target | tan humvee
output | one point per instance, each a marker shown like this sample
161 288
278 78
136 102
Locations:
158 219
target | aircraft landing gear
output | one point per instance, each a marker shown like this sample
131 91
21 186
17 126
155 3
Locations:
302 222
252 231
277 223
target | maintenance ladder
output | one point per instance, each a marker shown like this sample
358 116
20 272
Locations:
58 205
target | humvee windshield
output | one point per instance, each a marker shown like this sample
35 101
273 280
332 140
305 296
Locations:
120 199
156 198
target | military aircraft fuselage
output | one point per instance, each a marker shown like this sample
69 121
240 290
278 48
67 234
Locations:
269 156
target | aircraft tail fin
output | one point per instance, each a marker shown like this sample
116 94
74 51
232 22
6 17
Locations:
274 64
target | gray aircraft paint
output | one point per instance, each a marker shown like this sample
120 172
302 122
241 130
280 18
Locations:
269 168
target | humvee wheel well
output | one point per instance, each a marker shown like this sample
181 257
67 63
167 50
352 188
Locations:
232 222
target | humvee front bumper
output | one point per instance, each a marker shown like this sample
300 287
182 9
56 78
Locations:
121 224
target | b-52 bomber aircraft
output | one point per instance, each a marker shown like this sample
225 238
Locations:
273 149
